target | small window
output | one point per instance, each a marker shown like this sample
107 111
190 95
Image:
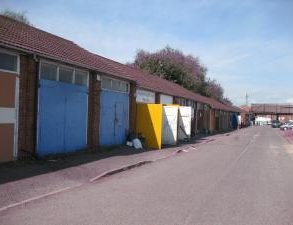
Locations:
183 102
124 87
106 83
8 62
115 85
48 71
81 78
65 75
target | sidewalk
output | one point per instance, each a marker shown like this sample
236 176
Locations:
26 181
287 134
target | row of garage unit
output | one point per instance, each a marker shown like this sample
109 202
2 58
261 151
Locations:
62 120
63 109
56 97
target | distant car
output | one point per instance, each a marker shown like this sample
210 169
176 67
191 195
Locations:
286 126
276 124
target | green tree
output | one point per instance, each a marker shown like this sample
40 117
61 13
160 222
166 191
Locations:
185 70
173 65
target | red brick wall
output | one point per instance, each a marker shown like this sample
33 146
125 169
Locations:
93 111
176 100
157 98
27 104
132 107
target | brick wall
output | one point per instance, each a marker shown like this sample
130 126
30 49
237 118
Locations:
157 98
27 105
132 108
176 100
93 111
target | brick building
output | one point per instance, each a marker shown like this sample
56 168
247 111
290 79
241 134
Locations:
57 97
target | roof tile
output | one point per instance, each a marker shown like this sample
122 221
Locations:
28 38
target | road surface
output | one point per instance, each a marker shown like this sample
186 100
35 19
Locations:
245 178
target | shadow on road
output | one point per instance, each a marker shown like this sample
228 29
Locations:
21 169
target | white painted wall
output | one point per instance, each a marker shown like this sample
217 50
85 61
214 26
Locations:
262 120
7 115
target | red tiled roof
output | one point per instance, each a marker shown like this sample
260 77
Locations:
31 39
245 108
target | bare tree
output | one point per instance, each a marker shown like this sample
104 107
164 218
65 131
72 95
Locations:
19 16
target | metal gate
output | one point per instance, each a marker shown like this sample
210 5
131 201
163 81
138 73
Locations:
62 117
114 119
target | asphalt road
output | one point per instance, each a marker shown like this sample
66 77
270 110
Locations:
245 178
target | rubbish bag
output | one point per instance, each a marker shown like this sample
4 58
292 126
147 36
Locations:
129 143
137 143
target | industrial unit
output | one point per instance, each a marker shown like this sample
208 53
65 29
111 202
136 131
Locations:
56 97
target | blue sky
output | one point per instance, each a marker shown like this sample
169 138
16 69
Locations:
247 45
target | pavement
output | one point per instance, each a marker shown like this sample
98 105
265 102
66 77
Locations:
25 181
287 134
241 178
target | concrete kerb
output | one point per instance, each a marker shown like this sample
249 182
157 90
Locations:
119 170
131 166
105 174
101 176
141 163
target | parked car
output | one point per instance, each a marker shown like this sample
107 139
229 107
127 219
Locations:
276 124
286 126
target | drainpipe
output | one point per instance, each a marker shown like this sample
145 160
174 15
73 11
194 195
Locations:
196 117
37 65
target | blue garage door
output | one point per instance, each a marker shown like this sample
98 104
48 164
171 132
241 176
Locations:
62 117
114 122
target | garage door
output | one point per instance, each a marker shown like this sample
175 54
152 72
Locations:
114 117
8 106
62 117
184 122
170 125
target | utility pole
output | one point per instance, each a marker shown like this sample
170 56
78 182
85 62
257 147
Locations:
246 97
